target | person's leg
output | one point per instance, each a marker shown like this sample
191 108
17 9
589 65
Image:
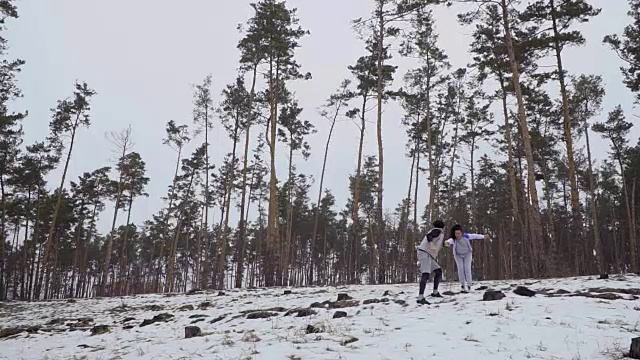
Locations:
460 264
467 269
423 285
437 277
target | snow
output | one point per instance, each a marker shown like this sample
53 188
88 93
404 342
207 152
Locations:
458 326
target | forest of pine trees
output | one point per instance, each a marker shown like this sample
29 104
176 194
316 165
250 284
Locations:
551 208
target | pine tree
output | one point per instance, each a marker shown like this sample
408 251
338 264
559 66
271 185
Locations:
68 117
585 101
123 143
274 33
616 130
202 114
627 47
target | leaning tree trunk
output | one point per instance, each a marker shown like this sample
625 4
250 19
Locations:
109 248
50 247
534 213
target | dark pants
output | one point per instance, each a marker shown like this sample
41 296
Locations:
437 276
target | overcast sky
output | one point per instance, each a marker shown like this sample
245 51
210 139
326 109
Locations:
143 56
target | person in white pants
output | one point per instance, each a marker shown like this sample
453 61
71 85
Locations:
463 254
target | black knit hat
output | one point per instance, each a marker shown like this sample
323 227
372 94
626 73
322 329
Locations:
438 224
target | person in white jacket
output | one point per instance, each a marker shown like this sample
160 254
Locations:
463 254
427 254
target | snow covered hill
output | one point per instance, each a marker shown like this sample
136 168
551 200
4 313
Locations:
579 318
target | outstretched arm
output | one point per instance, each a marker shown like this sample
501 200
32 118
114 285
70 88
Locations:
475 236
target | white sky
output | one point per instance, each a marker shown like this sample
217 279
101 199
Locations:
142 57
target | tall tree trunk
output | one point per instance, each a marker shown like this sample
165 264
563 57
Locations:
174 245
109 248
123 275
205 229
272 258
576 225
355 214
630 220
223 243
287 243
595 227
380 235
534 213
242 224
50 245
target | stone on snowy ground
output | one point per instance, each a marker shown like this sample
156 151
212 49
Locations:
493 296
153 307
4 333
387 293
634 351
375 301
306 312
164 317
313 330
620 291
186 308
56 321
127 327
523 291
71 301
261 315
127 319
192 331
603 296
321 305
401 302
343 304
344 296
218 319
195 291
198 316
339 314
205 305
349 341
80 323
287 292
604 276
100 329
221 293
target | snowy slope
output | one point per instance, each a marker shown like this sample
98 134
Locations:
554 324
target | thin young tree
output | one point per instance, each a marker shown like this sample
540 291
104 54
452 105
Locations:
123 143
202 115
331 111
68 117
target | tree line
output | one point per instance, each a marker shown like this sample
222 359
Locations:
552 210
